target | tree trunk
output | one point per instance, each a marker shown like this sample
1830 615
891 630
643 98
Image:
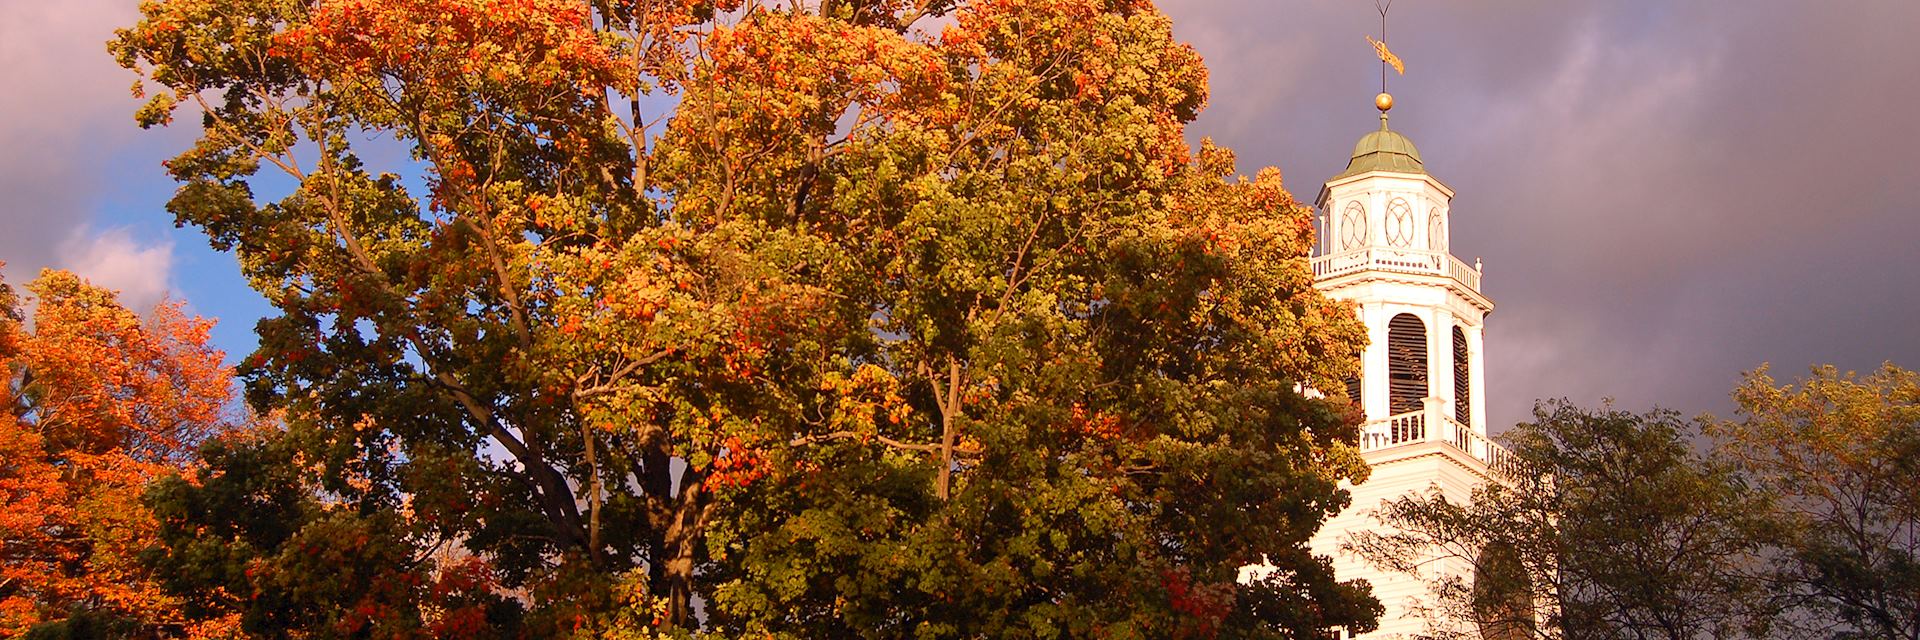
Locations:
672 547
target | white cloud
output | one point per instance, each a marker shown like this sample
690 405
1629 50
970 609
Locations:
115 259
68 112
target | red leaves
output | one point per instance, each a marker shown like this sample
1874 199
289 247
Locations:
736 466
1208 604
698 278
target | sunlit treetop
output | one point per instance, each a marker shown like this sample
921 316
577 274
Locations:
851 318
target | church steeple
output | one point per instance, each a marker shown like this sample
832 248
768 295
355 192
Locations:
1386 225
1385 249
1422 382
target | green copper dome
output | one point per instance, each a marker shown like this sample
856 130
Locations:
1383 150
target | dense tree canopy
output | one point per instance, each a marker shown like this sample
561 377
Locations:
1800 518
1840 455
98 400
1607 525
866 318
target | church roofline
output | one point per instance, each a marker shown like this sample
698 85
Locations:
1327 188
1357 279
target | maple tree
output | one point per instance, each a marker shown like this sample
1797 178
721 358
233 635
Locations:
98 401
844 324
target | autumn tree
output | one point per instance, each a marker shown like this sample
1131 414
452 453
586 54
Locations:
1840 454
1607 524
847 326
251 547
98 401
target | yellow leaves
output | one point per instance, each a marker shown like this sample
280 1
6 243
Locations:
802 190
785 72
637 613
899 413
861 401
1831 422
223 627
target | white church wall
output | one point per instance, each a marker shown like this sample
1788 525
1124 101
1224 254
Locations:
1416 469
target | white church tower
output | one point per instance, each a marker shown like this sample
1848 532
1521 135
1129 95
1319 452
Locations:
1384 225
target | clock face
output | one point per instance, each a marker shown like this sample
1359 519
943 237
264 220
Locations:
1437 230
1353 226
1399 223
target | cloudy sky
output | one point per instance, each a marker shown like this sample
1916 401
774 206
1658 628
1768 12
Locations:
1665 193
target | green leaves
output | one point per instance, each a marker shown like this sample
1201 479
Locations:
866 332
1837 453
1608 524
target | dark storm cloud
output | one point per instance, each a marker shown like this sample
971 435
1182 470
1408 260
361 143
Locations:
1665 193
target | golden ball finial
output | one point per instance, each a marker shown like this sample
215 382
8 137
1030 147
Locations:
1383 102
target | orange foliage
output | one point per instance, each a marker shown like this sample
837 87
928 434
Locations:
503 41
99 401
1097 424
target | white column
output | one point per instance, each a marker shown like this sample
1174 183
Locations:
1376 218
1321 232
1440 361
1374 382
1476 364
1434 407
1431 321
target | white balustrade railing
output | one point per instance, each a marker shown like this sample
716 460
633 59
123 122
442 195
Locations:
1415 427
1431 263
1406 428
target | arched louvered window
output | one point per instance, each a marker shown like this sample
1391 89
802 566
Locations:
1462 384
1406 363
1353 390
1503 595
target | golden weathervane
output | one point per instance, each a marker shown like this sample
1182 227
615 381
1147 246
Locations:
1384 101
